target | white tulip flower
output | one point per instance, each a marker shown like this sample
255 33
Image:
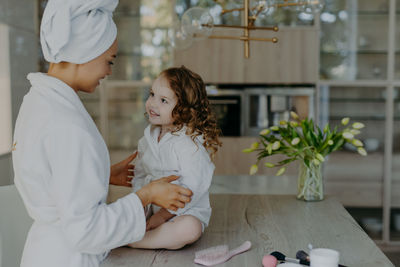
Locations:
345 121
295 141
268 148
358 125
265 132
247 150
253 169
294 115
276 145
254 145
357 142
280 171
361 151
348 135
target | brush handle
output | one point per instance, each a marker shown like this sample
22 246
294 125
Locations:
242 248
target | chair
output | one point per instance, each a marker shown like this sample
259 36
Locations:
14 226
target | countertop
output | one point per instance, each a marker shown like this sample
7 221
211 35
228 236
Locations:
272 223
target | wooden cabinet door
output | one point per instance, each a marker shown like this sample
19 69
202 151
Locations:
215 60
294 59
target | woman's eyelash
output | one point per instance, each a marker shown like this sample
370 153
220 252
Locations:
110 63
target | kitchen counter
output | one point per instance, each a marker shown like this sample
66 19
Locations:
272 223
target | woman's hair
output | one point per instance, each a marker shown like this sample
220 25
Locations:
193 108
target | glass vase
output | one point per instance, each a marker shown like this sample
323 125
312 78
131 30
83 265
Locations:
310 185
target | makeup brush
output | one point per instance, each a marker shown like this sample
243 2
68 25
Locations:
303 256
269 261
281 257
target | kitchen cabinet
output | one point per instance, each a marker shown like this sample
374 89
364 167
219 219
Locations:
393 183
360 79
395 170
354 45
294 59
356 180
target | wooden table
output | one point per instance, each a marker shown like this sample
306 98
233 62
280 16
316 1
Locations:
270 222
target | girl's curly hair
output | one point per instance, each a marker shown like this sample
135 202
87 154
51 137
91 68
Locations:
193 108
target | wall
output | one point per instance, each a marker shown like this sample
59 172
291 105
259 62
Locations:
20 17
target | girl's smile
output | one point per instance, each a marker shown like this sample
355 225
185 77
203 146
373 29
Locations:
160 104
153 114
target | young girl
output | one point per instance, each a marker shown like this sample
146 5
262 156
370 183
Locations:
180 139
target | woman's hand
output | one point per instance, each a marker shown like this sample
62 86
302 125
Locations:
122 172
164 194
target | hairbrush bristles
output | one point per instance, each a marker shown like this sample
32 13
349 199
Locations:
217 250
219 254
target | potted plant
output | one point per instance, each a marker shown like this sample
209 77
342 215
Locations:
304 141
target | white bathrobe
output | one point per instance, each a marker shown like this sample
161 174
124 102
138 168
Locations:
176 154
62 169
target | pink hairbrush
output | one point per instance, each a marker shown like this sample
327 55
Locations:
219 254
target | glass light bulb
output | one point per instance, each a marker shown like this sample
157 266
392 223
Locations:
261 8
177 38
312 6
197 22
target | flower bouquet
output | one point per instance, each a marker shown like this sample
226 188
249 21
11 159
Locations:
304 141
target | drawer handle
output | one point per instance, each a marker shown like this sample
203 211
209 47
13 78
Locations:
223 102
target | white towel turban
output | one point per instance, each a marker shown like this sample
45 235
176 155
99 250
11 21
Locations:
77 31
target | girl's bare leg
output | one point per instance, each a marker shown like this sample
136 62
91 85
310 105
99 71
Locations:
174 234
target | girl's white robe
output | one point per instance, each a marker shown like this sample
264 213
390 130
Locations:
177 154
62 170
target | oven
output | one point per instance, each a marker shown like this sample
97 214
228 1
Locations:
265 107
228 107
247 111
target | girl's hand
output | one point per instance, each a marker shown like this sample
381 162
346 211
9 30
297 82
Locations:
164 194
154 221
122 172
158 218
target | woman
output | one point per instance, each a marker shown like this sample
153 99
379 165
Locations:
61 162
